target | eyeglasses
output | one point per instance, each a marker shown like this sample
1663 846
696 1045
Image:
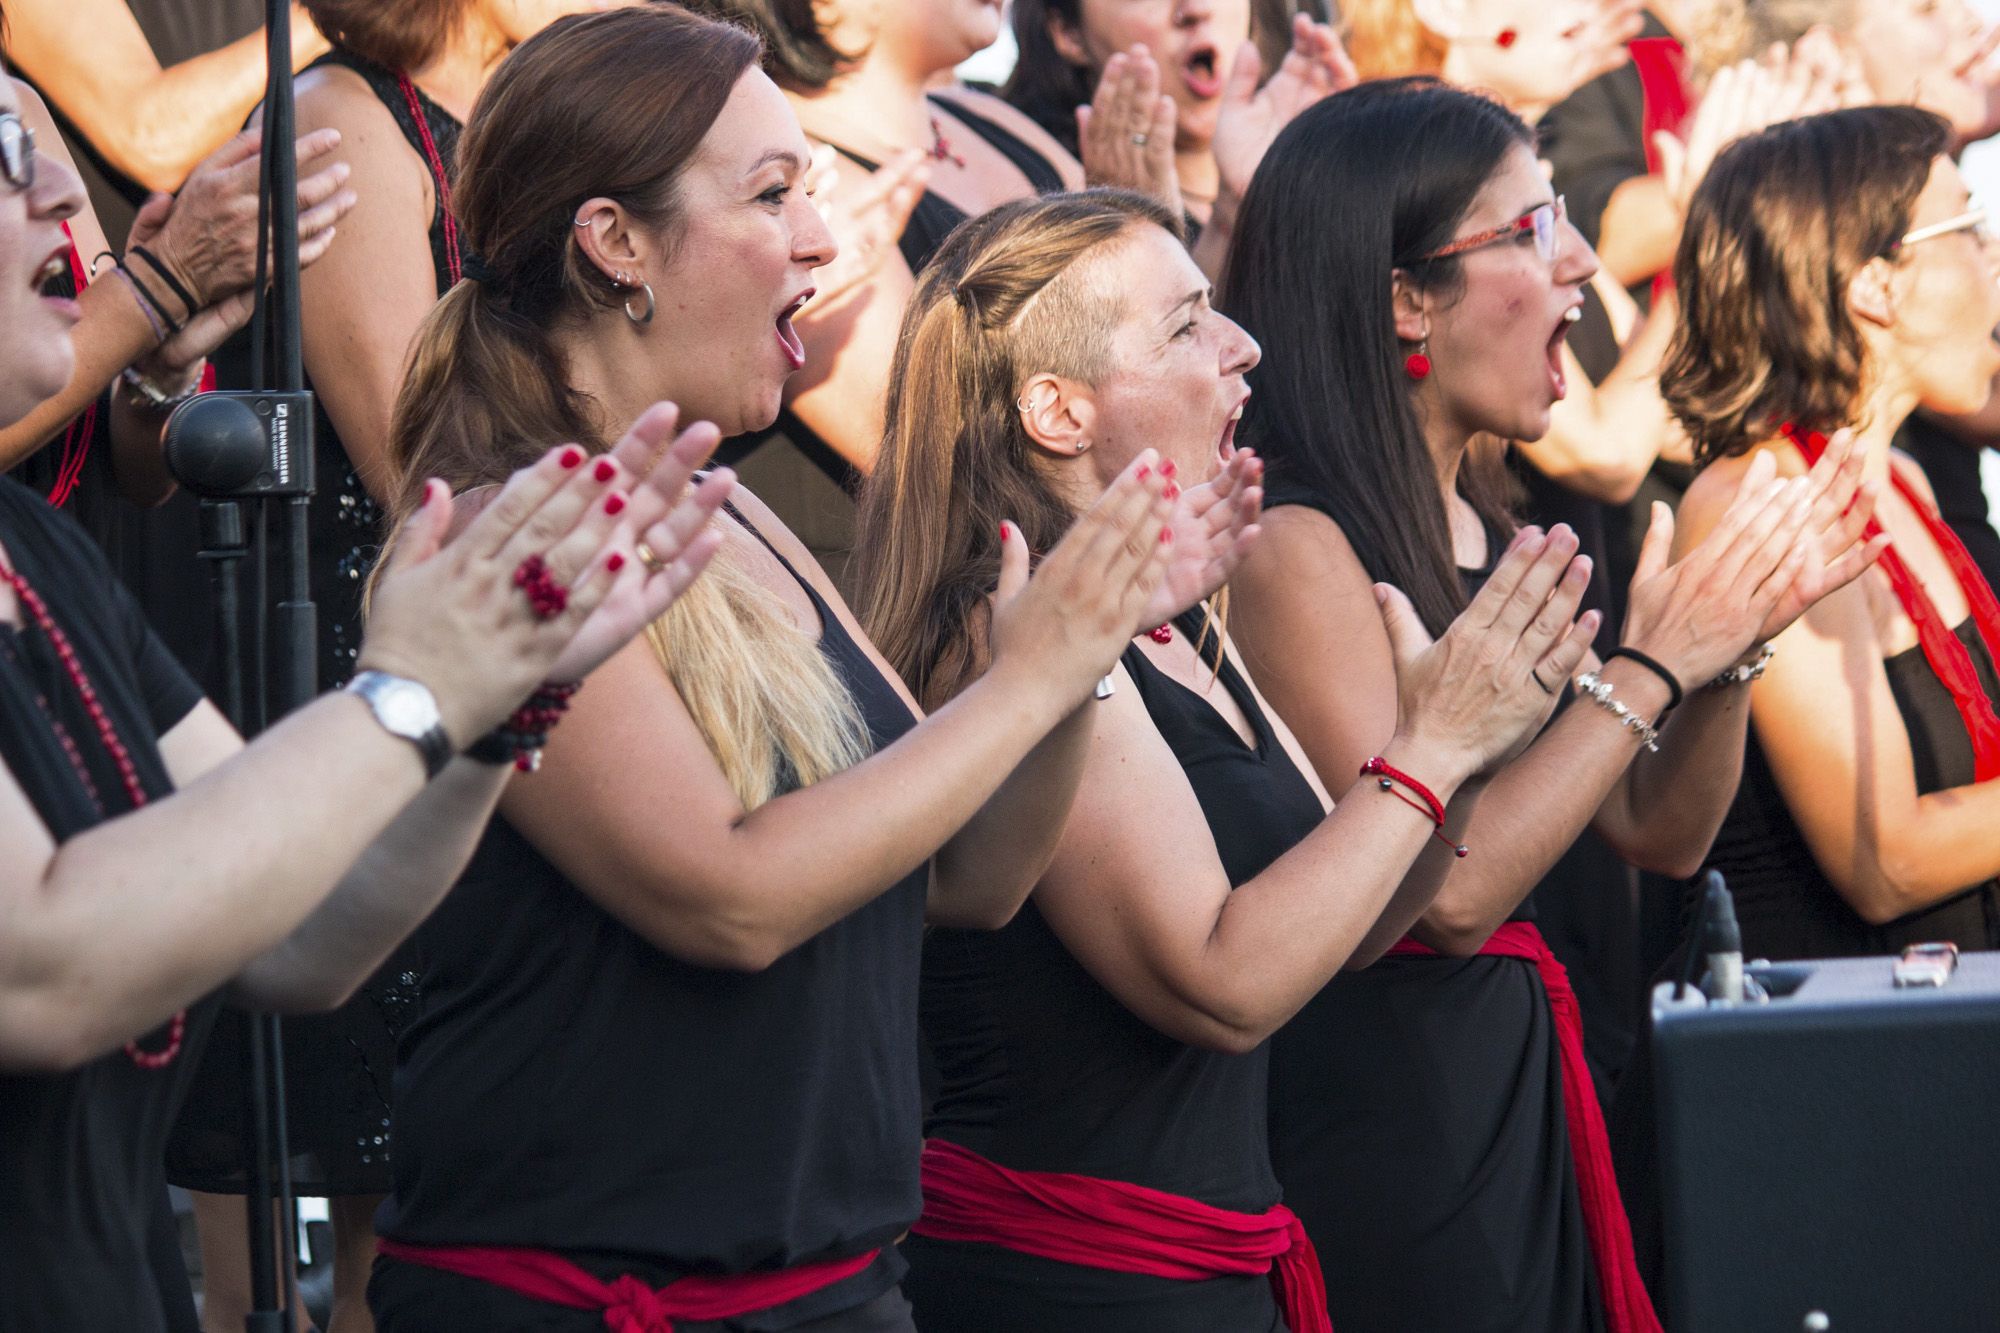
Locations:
1973 219
1544 221
17 151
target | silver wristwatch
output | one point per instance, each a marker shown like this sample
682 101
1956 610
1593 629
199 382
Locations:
406 709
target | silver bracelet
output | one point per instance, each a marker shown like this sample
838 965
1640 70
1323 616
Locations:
1746 672
150 394
1598 691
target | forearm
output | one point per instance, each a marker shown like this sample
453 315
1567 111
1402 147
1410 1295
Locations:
1903 860
1666 813
149 912
983 875
799 863
1425 881
1603 440
156 131
1534 809
111 336
399 880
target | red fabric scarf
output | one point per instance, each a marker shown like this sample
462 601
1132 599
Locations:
1121 1227
629 1305
1947 654
1627 1307
1665 100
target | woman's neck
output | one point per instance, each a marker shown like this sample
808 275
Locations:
1883 410
455 77
1200 178
881 100
613 370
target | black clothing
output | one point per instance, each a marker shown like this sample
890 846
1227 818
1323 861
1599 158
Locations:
1952 467
1045 1070
1785 904
801 477
567 1085
408 1298
80 1180
1416 1122
339 1065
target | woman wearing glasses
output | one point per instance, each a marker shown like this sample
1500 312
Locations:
1431 1119
1866 819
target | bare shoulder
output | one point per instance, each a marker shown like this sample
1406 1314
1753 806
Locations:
1010 118
1302 548
1715 487
1913 475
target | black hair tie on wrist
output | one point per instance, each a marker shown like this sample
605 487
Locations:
185 297
1666 676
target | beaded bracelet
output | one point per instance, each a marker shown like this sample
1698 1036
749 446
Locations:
1745 672
1598 691
520 739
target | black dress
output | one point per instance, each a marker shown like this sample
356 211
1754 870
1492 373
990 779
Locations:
566 1085
1417 1128
1045 1070
338 1066
80 1179
787 465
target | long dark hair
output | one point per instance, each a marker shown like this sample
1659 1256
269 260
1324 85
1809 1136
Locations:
1357 186
797 53
1775 234
1044 84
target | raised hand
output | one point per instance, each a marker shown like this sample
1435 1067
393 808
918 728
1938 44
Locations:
866 222
1214 525
1316 67
207 234
666 533
1125 135
1069 622
1702 613
1838 548
1535 66
452 614
1492 678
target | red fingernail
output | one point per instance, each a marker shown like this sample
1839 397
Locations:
571 457
1167 469
605 470
1144 473
1173 490
616 562
613 502
1003 532
1166 535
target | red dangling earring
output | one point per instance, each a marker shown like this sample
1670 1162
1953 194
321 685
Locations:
1418 363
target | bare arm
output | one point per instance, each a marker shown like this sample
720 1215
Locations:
1639 230
153 124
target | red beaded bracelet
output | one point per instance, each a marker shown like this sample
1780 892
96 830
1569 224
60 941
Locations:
1388 777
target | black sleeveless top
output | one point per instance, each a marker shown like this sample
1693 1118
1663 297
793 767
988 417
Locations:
1043 1069
1417 1128
1786 905
80 1173
569 1086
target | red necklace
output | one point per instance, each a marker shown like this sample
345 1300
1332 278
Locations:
1946 653
121 758
454 268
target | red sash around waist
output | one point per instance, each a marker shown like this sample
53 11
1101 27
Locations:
1627 1307
1118 1226
628 1305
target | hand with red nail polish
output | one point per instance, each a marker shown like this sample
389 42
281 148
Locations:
1213 525
1068 622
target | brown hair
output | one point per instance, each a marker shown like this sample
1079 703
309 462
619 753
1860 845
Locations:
612 104
797 53
1386 39
1775 234
1001 301
396 34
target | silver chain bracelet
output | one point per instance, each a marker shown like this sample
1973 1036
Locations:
1598 690
1744 673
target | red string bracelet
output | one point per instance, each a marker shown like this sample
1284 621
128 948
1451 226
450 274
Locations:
1387 778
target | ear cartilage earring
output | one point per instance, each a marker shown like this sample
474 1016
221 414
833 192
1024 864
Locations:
1418 363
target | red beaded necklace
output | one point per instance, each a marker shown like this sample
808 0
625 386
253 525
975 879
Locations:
453 264
128 772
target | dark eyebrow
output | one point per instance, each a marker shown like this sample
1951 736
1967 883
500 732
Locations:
784 155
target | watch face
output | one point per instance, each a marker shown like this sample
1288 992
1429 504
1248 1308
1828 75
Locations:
406 708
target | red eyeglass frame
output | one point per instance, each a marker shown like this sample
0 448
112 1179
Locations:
1559 213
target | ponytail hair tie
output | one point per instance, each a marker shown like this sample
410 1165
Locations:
473 265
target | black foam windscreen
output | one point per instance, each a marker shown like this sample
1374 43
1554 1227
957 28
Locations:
1832 1159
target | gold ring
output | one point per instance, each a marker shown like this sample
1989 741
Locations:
649 558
